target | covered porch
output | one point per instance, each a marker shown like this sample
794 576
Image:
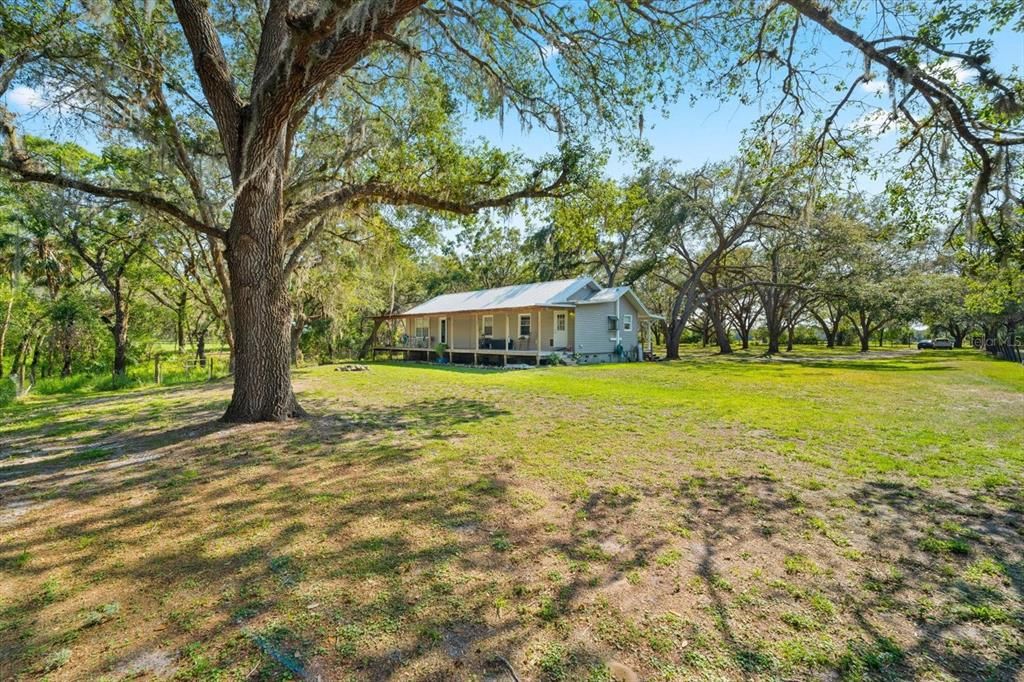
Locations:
520 335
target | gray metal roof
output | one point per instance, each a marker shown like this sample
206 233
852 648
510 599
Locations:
612 294
515 296
607 295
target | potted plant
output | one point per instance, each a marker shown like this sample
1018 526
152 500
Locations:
440 349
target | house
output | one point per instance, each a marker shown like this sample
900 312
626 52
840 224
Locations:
521 323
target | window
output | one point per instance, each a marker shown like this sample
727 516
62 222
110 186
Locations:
488 325
524 325
560 322
613 323
627 323
422 328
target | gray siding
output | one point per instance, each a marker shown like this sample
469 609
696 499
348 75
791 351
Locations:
594 339
592 335
631 338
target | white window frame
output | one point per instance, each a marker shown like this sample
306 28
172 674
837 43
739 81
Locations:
627 323
529 325
563 320
488 322
425 327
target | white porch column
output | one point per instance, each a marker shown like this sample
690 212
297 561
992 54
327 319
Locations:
540 333
476 337
506 338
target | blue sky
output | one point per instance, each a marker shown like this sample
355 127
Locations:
710 130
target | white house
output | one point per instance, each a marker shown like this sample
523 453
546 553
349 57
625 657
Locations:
524 322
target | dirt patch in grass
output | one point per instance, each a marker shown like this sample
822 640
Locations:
431 524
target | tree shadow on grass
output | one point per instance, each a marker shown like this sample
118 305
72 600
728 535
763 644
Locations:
934 586
334 543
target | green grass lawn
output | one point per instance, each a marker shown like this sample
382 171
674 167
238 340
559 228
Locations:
820 515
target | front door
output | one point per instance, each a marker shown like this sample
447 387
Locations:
561 336
444 330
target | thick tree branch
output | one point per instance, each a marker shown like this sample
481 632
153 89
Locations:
24 169
374 191
939 96
214 75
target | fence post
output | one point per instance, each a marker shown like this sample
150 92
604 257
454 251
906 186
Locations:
209 364
156 369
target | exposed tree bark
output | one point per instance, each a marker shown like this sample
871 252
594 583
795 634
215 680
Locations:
721 329
118 327
715 315
179 312
368 343
261 315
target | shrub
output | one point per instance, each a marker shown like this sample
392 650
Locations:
8 390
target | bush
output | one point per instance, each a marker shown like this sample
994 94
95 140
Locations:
8 390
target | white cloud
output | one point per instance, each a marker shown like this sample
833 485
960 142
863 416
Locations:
26 98
877 122
875 87
953 66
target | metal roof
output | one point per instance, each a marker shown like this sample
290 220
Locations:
515 296
608 295
612 294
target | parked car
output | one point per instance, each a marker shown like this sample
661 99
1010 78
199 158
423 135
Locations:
934 343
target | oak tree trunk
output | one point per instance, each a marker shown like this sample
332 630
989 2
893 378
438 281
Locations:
261 318
864 333
65 369
119 330
180 313
672 338
721 330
